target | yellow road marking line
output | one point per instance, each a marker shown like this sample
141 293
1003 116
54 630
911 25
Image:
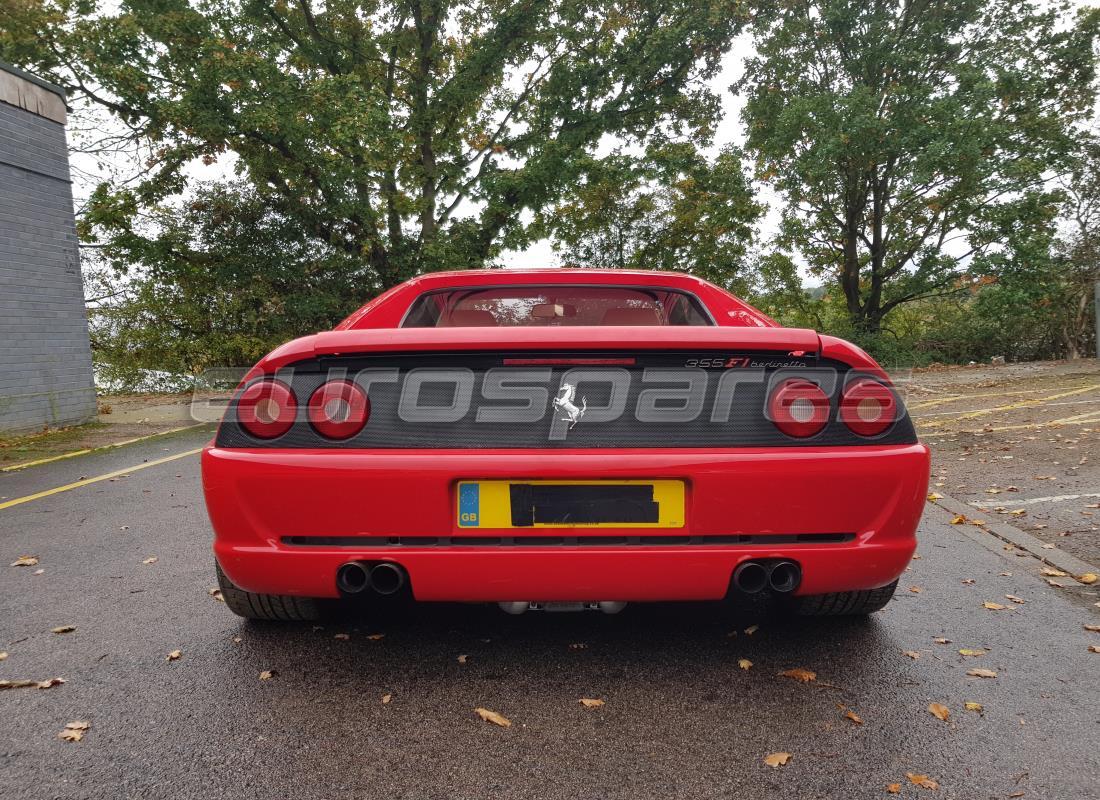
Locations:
1038 401
1028 426
76 485
26 464
952 398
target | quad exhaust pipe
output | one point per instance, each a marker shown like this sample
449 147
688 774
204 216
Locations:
752 577
384 578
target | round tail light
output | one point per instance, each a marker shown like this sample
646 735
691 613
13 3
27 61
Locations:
339 409
799 408
267 409
867 407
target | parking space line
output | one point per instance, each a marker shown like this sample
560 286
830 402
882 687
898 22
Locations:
939 401
1057 498
1033 403
135 440
77 484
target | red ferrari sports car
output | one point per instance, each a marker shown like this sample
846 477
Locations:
563 439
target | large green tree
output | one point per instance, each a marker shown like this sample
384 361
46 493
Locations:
673 209
915 140
411 135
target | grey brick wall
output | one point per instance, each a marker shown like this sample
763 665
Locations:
45 359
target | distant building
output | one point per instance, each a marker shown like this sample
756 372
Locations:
45 356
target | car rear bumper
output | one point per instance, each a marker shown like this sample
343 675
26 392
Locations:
373 502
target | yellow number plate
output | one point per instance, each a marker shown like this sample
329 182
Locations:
570 504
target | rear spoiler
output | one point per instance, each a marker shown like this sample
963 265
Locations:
774 340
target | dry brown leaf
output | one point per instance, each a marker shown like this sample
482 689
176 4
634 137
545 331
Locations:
967 651
462 659
150 560
18 684
267 674
915 589
913 654
74 731
4 655
1018 512
25 561
744 663
958 519
493 717
216 594
893 788
979 672
854 717
994 606
934 496
1094 648
969 705
939 711
386 698
63 629
799 674
775 760
49 683
174 655
1051 572
749 631
1093 628
589 702
922 780
1017 600
941 640
1088 578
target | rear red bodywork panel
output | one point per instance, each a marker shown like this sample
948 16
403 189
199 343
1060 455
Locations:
256 497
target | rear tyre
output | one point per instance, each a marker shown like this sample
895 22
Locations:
281 608
844 603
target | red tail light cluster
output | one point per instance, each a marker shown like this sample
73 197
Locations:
868 407
267 409
339 409
799 408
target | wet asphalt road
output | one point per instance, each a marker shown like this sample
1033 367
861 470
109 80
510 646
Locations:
681 719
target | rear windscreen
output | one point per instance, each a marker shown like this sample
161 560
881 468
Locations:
554 306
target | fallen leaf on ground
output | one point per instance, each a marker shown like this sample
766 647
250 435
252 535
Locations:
462 659
800 674
49 683
941 640
749 631
994 606
939 711
922 781
913 654
972 706
1055 583
74 731
174 655
1015 599
217 595
493 717
374 637
38 572
386 699
934 496
915 589
968 581
589 702
958 519
1088 578
744 663
4 655
854 717
343 636
1093 628
25 561
1051 572
150 560
979 672
1094 648
777 759
267 674
1019 512
893 788
967 651
63 629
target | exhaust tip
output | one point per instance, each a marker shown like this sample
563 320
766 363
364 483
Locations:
352 578
750 577
785 577
387 578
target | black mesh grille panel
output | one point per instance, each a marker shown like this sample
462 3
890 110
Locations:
626 400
